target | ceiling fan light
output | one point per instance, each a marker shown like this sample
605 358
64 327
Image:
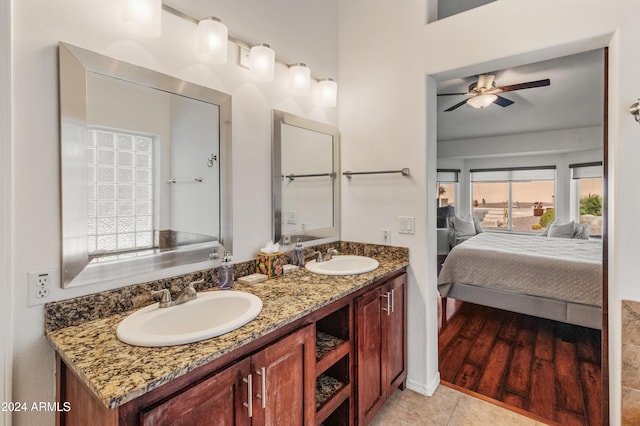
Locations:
482 101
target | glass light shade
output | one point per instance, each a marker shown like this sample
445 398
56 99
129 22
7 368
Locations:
328 93
299 79
481 101
212 40
143 17
262 62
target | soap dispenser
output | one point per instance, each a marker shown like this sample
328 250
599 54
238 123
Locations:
225 272
298 254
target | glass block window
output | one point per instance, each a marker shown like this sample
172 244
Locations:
120 211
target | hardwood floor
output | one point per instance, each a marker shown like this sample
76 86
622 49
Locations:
546 368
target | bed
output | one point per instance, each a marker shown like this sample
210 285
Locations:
554 278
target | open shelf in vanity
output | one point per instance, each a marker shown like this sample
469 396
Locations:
334 366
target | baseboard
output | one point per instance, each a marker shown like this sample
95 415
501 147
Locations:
424 389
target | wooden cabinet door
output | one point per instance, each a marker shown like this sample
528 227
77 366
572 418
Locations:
284 381
369 354
395 353
217 400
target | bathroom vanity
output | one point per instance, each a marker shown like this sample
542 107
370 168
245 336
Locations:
324 350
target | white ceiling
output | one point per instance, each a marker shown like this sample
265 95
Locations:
574 99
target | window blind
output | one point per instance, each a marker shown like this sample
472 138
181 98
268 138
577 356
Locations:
447 175
586 170
513 175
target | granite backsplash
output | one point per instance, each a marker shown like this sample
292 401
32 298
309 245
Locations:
78 310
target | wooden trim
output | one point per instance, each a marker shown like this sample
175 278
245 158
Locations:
333 403
605 248
84 405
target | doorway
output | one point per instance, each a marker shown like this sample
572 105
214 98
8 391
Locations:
465 201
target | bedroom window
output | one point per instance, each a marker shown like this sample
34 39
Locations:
587 190
447 187
446 191
120 213
514 199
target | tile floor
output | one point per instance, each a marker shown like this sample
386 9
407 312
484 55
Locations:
447 407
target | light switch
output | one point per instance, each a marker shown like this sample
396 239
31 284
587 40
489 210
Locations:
406 225
291 217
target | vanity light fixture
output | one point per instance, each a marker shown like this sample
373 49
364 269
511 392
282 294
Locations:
482 101
262 62
328 92
143 17
299 79
212 40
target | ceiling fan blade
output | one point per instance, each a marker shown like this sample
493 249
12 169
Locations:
453 94
529 85
456 106
503 102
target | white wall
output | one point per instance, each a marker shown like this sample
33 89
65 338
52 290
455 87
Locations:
38 26
194 137
523 144
6 205
383 125
385 53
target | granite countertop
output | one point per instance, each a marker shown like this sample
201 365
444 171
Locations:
117 372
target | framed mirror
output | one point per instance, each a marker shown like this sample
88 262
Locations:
305 184
145 169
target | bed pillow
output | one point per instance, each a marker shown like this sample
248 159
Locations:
545 233
461 229
582 231
564 230
476 223
464 227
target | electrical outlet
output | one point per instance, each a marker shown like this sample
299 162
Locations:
386 237
40 287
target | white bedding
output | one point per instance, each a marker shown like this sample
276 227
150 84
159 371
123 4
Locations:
557 268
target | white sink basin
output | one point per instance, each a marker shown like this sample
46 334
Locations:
211 314
343 265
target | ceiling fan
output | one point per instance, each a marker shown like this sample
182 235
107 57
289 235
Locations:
484 92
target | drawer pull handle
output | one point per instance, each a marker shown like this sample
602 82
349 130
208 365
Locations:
393 301
263 395
249 403
388 297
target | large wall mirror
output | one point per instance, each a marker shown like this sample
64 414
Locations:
145 169
306 190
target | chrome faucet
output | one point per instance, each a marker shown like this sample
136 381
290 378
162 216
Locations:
327 256
189 293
